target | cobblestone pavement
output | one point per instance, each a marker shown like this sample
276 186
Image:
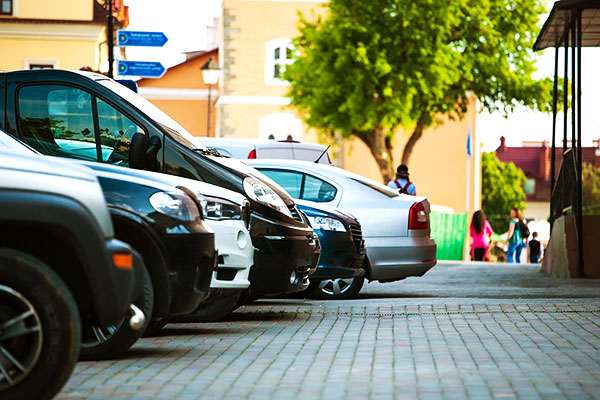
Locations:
461 331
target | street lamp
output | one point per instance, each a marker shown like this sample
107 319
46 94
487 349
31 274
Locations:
210 75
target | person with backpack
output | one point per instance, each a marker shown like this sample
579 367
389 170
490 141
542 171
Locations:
517 231
402 181
535 249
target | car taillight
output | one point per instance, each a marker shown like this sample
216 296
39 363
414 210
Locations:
418 217
252 154
329 158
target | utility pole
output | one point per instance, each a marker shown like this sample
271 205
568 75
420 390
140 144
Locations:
110 39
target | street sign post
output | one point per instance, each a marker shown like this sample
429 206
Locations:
140 38
144 69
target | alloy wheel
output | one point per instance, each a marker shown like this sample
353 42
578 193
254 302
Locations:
21 337
337 286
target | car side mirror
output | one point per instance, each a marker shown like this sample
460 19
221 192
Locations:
143 151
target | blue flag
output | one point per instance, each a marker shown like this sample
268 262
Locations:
469 144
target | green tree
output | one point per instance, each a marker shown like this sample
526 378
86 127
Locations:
501 190
590 189
374 66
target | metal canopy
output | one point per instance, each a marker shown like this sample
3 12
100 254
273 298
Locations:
560 18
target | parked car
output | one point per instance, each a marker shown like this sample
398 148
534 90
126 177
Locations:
340 274
164 224
59 263
257 148
228 214
395 226
91 117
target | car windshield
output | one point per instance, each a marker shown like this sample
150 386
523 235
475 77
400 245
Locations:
138 101
384 190
10 143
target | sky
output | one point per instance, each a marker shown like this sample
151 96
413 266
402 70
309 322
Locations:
184 22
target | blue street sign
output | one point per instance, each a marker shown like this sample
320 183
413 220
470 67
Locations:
145 69
139 38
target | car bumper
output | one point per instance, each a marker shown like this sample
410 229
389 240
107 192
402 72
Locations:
395 258
192 259
284 257
341 256
236 255
127 284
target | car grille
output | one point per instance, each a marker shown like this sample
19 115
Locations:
356 233
295 214
226 274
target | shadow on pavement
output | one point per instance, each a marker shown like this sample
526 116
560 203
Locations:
150 352
260 316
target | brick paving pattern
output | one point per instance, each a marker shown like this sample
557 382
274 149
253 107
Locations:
426 348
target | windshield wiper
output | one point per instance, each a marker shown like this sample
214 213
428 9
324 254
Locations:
210 152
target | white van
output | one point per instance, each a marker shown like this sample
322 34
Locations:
257 148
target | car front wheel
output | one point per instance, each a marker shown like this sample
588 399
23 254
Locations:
39 328
335 289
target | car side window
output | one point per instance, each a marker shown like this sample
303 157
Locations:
116 131
317 190
57 120
290 181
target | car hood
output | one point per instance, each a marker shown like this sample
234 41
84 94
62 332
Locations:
316 209
202 188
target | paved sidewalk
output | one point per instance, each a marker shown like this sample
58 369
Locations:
420 338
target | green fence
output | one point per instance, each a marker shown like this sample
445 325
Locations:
449 232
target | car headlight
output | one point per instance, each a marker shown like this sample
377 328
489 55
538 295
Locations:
219 209
176 205
261 193
326 224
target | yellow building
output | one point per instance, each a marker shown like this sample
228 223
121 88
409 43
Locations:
255 48
183 95
66 34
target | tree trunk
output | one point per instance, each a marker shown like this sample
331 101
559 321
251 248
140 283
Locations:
381 149
414 137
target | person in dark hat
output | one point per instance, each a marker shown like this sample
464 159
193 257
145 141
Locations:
402 181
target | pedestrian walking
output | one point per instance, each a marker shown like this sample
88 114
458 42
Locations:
402 181
481 232
514 240
535 249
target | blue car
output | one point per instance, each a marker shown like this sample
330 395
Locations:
340 273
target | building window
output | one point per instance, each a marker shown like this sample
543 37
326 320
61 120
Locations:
41 66
279 53
529 186
40 63
6 7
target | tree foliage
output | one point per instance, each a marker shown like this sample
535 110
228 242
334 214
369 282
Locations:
501 190
590 189
373 66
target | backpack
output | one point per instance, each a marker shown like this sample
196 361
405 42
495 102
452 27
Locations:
524 230
403 189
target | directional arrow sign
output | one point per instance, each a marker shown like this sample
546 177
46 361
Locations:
145 69
139 38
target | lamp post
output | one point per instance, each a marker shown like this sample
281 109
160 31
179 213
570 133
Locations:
210 75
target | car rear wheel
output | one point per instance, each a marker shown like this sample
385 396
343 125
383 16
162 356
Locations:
100 343
335 289
39 328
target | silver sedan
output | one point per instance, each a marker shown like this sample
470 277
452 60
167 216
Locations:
395 226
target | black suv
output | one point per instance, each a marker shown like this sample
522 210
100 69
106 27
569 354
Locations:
59 262
91 117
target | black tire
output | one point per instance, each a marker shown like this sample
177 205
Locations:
106 343
213 311
27 282
335 289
